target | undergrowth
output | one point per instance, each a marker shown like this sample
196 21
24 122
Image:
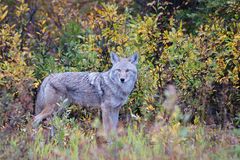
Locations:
136 140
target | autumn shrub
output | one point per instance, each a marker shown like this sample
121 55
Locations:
197 13
204 66
196 51
22 39
16 76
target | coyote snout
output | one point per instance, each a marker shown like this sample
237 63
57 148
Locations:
106 90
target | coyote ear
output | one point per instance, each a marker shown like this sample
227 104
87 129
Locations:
134 58
114 57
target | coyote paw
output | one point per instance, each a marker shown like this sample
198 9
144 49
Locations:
36 122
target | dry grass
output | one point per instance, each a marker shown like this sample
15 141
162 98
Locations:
156 141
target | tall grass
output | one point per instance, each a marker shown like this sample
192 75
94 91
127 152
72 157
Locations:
156 141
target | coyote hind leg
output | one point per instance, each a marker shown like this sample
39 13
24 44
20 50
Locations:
47 111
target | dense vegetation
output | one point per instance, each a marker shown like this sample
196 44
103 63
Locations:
191 44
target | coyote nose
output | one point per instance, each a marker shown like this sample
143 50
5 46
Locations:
122 80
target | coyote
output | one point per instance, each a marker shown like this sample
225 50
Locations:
106 90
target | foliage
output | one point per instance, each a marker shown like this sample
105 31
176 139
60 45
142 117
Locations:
16 76
209 57
197 13
193 45
206 65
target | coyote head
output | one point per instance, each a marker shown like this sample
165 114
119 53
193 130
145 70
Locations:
124 70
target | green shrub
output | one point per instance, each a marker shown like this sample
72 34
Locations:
204 65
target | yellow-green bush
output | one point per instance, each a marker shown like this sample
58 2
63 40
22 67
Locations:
40 37
16 76
204 66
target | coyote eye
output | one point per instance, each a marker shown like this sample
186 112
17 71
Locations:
118 70
127 70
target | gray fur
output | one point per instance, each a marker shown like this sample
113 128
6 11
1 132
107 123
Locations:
106 90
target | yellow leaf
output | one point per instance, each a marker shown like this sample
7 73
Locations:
4 15
44 29
4 8
44 21
150 108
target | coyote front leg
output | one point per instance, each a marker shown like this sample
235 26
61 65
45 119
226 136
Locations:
110 120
